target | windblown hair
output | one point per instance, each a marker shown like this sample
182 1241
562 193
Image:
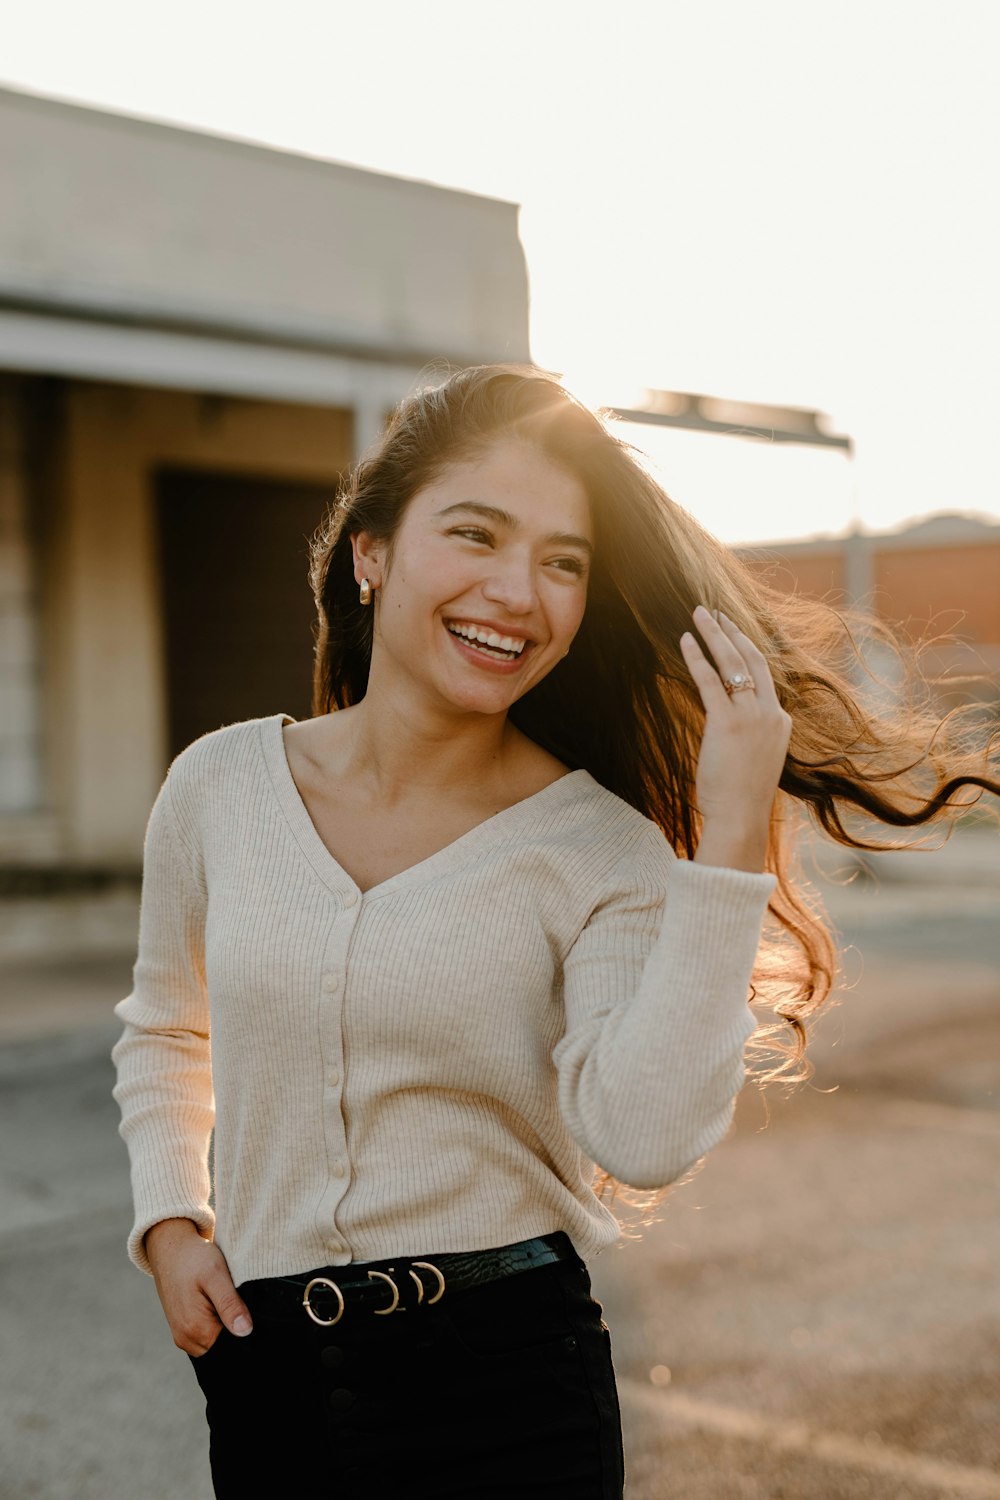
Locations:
623 705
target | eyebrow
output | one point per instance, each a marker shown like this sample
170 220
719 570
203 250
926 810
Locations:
504 518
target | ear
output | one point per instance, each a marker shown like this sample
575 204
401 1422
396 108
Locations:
369 558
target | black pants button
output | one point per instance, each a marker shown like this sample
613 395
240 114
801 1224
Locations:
332 1357
341 1399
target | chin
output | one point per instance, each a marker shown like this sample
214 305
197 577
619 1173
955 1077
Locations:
487 704
485 697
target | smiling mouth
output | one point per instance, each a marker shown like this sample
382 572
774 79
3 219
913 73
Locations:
488 642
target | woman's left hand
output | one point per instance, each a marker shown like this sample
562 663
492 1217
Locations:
743 748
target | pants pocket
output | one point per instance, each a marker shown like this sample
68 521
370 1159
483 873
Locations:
517 1315
205 1364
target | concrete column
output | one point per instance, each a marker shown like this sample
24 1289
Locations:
370 412
859 571
20 733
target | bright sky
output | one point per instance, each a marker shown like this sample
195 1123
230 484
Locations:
780 201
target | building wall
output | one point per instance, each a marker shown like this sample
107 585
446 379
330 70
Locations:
959 586
102 646
937 579
131 219
818 575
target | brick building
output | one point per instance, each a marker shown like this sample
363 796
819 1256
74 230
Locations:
940 576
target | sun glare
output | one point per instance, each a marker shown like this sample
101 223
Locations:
748 489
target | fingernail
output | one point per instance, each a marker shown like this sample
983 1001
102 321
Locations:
242 1326
687 636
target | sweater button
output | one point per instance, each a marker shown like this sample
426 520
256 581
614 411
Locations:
338 1168
330 983
350 898
332 1357
341 1399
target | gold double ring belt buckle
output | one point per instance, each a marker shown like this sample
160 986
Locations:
380 1312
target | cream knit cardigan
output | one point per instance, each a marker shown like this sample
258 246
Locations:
435 1064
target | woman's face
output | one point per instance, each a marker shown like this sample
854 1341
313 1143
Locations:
487 582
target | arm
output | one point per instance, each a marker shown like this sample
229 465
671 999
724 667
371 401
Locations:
652 1058
164 1086
164 1089
656 990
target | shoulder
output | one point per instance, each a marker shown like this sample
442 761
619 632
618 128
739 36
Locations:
609 837
609 814
219 764
221 748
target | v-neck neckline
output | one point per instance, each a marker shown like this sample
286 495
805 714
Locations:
490 831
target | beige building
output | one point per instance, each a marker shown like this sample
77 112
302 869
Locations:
196 337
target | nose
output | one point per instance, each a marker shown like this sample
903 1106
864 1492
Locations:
511 582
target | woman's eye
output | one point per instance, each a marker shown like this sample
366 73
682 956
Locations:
473 533
570 565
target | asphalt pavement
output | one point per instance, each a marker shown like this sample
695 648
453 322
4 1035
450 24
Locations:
816 1314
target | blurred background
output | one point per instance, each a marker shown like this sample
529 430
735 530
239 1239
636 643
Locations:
767 238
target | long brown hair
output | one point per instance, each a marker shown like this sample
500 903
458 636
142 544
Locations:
622 704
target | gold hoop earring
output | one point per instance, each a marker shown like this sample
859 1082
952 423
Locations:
365 592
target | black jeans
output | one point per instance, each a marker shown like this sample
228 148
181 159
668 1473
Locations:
498 1392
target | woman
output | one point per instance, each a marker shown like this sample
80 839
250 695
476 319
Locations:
487 927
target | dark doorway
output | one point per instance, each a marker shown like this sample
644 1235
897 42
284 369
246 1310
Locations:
238 609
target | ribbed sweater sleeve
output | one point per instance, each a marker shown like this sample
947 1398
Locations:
164 1085
652 1056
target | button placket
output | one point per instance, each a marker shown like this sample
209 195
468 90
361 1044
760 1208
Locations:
332 989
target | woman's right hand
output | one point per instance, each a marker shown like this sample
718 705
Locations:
194 1286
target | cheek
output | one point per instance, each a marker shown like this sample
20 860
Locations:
433 576
421 582
573 610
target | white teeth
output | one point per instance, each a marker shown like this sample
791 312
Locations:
474 633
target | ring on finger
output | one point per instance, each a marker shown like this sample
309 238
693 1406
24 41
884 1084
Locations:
739 682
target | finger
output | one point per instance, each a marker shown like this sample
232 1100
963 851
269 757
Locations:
196 1330
755 659
232 1311
726 654
198 1341
706 678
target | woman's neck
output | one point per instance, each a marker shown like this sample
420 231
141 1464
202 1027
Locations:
399 752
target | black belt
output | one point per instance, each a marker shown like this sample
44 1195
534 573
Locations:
387 1286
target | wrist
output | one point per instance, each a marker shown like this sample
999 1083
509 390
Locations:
169 1232
733 849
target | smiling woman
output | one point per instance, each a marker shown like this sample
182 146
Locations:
473 945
